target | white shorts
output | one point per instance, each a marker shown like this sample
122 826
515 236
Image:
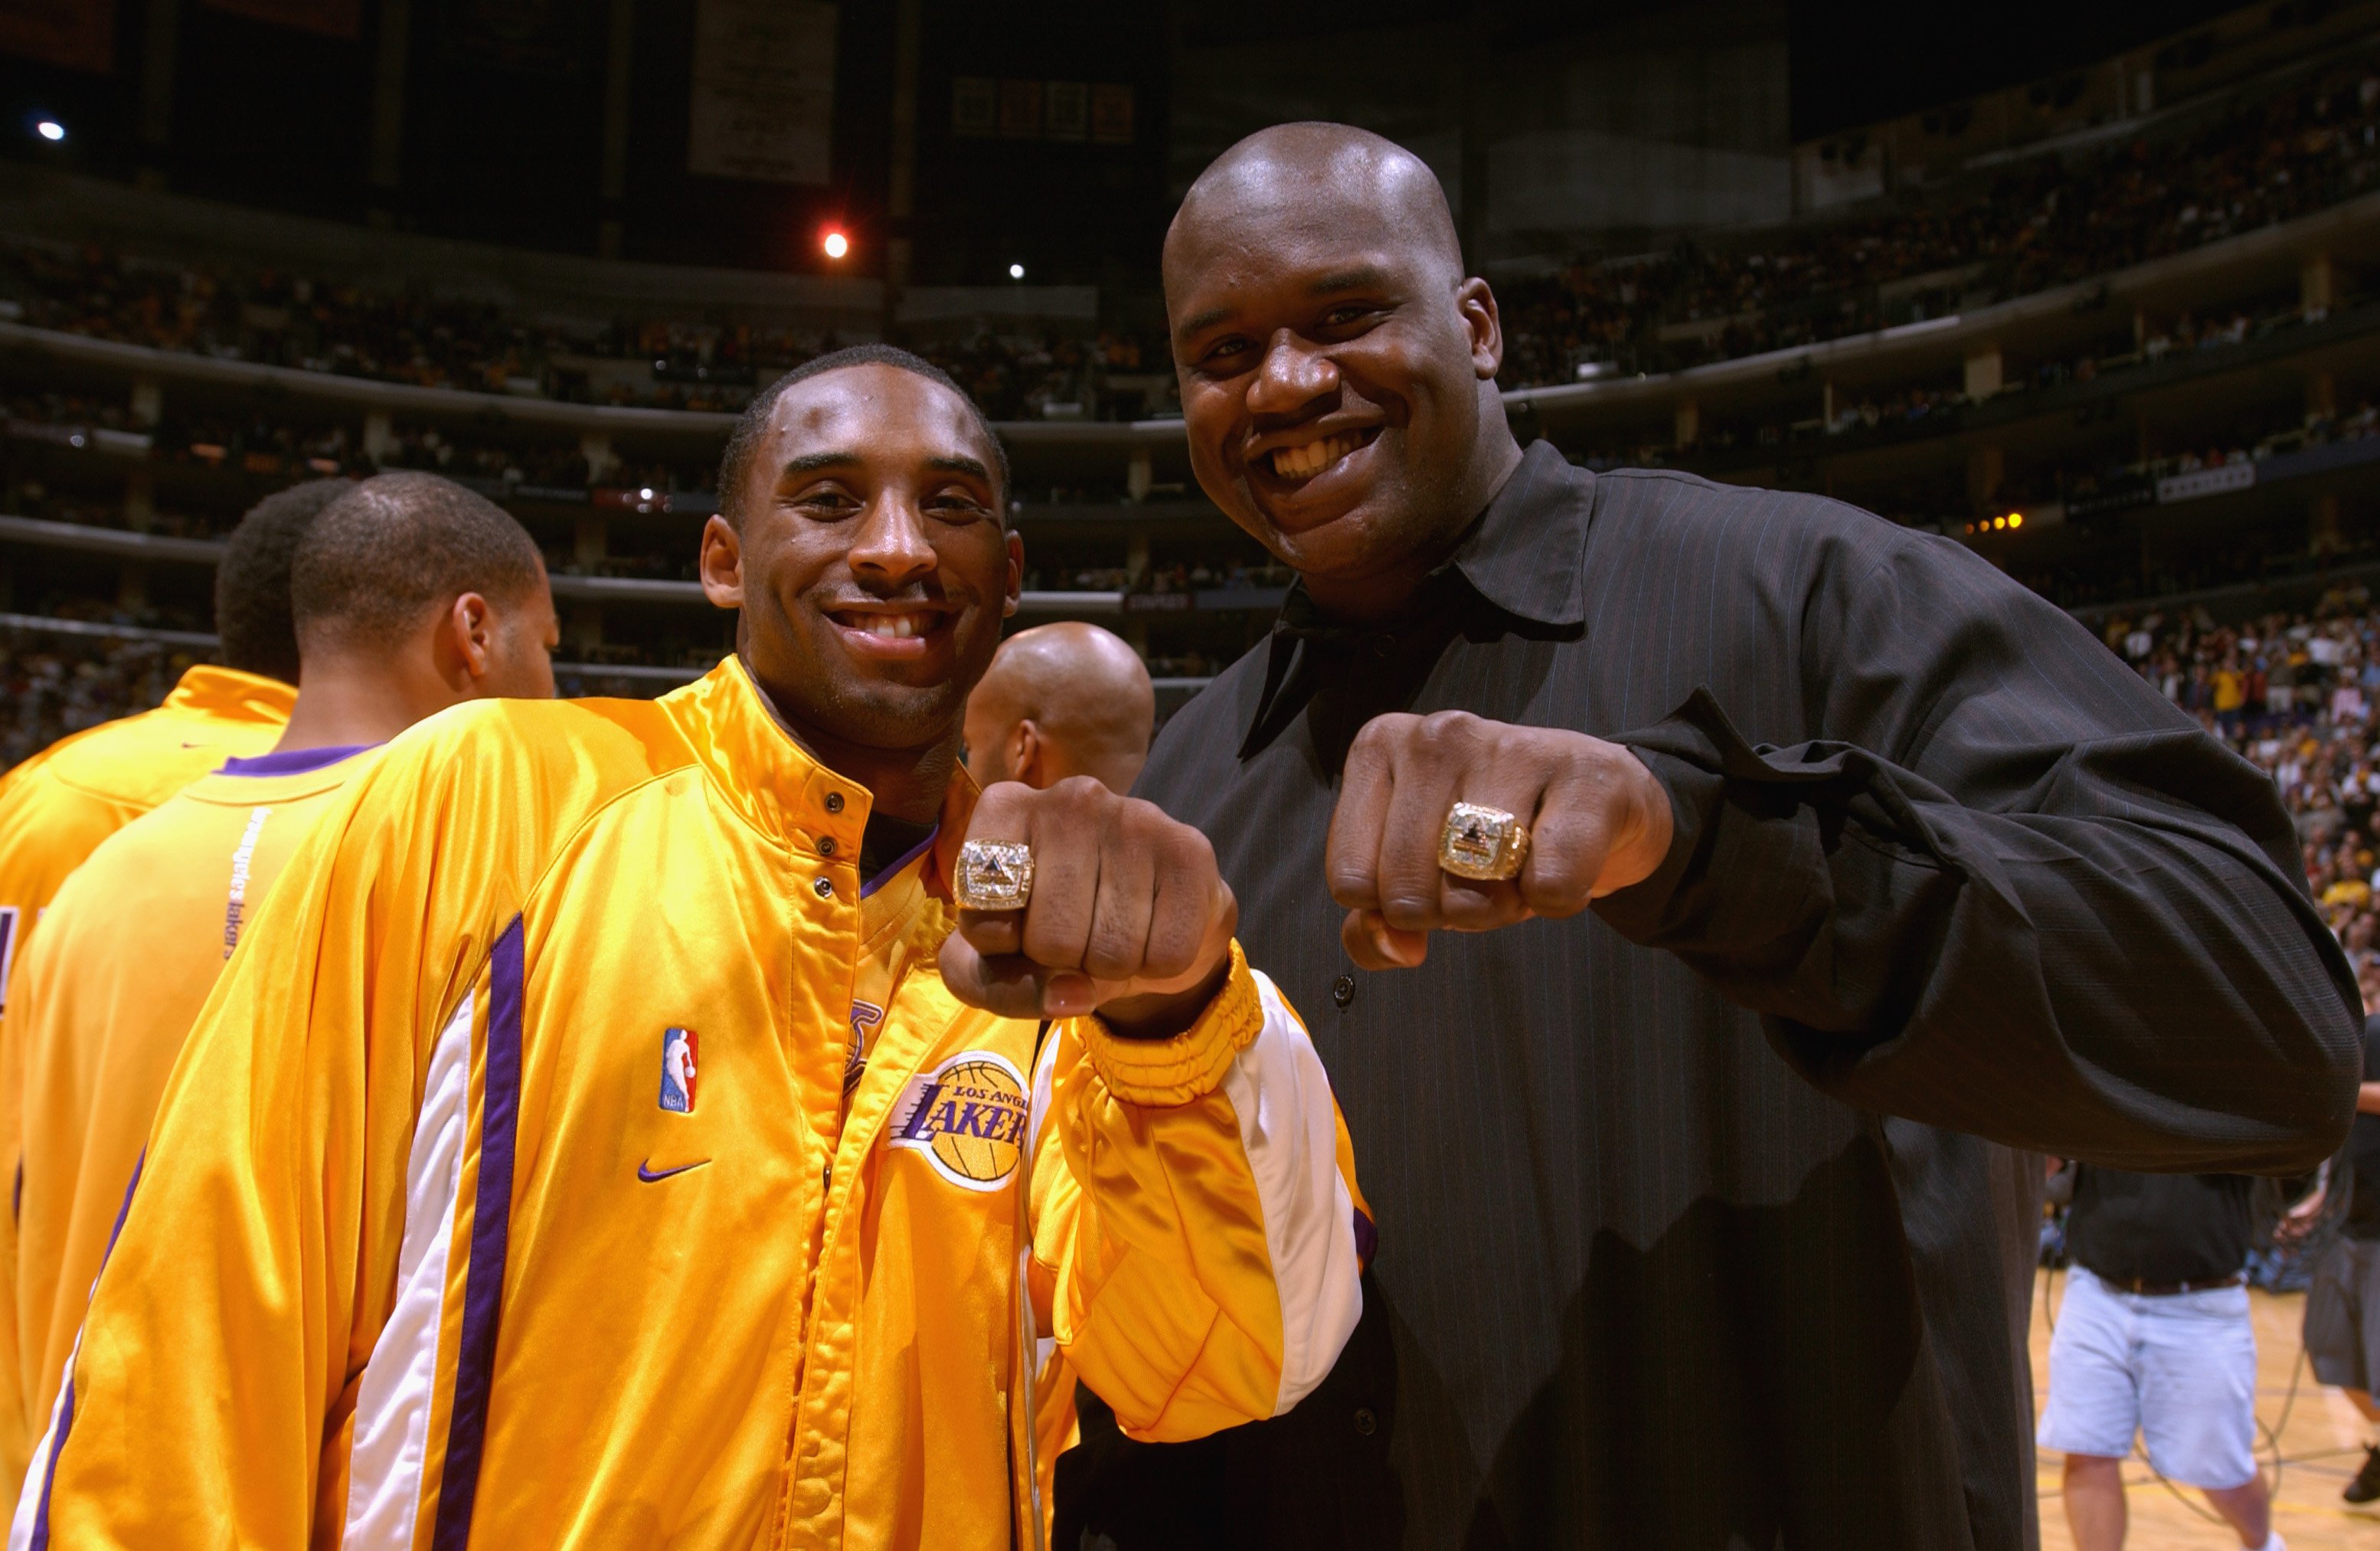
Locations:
2180 1370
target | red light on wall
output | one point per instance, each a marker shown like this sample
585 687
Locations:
834 245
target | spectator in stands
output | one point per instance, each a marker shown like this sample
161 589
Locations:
1062 699
2153 1338
2342 1311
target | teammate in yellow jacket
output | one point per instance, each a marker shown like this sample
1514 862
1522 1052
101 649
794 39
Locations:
59 805
604 1138
410 594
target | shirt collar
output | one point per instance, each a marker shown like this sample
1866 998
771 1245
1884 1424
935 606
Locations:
1520 554
294 762
781 789
233 695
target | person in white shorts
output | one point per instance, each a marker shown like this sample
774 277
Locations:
2153 1340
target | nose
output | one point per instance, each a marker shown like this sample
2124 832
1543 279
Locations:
1292 375
891 548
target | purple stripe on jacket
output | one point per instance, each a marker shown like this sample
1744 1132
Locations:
484 1286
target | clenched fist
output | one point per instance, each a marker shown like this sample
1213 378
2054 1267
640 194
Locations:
1129 914
1598 822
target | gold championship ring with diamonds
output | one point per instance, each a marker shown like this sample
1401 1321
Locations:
1484 844
994 876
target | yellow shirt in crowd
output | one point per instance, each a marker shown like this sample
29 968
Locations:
130 947
55 809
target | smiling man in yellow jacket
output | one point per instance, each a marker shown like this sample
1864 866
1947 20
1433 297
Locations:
610 1134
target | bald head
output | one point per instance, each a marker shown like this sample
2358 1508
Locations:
1323 177
1338 367
1058 701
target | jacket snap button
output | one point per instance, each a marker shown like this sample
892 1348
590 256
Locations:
825 888
834 802
1365 1422
1343 991
826 844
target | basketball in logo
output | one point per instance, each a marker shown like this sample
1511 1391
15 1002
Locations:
968 1116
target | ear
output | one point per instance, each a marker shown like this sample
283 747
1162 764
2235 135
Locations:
1476 304
469 628
1016 598
721 565
1024 754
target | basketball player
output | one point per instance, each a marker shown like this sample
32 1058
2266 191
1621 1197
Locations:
410 594
58 806
1062 699
462 1276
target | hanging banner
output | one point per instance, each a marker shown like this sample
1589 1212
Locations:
78 34
763 90
518 37
328 18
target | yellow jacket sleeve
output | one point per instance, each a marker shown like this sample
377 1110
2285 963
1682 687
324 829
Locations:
1199 1236
255 1261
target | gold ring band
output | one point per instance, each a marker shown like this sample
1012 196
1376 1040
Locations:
993 875
1486 845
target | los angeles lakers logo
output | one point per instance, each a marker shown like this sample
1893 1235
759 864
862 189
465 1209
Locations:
968 1116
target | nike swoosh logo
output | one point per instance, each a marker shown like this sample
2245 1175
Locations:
649 1173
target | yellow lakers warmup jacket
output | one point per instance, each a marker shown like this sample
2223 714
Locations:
54 809
107 991
508 1193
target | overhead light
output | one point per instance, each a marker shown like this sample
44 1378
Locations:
1016 272
2016 519
835 244
50 130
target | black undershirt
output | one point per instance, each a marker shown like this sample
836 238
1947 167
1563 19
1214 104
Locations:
885 841
2160 1228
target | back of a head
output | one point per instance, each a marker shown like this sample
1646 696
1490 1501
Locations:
381 557
252 608
1087 693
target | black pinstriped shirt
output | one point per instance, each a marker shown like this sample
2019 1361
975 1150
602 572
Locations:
1687 1235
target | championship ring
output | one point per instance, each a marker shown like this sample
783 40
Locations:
1486 843
994 876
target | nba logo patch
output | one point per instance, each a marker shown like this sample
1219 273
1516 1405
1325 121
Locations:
968 1116
677 1070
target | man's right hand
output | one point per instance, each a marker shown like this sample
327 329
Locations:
1598 822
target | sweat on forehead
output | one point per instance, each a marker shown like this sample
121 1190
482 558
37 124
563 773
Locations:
1302 174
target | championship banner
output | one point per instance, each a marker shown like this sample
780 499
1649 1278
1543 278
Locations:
328 18
763 90
78 34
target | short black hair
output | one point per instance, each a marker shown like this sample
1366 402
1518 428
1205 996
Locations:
744 442
398 545
252 613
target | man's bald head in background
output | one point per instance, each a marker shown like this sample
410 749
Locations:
1058 701
1338 366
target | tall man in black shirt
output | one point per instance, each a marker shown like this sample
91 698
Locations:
1682 1243
2342 1314
2153 1338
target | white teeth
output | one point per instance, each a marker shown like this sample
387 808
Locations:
1305 462
894 626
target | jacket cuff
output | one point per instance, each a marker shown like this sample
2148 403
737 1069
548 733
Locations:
1162 1073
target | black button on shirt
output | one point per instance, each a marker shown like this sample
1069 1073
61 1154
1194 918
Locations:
1681 1243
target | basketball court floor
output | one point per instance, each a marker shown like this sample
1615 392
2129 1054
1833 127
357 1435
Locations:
2320 1450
